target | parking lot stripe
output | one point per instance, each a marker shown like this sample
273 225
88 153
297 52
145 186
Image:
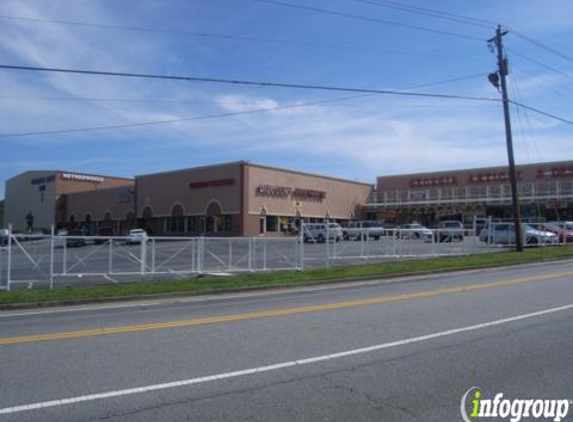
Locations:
275 312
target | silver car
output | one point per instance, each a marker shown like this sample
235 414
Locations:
504 234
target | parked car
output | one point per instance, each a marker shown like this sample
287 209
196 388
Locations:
563 230
104 232
504 234
75 238
4 233
319 232
136 236
449 231
62 232
363 230
413 231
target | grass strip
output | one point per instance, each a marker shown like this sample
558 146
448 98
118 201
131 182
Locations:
349 272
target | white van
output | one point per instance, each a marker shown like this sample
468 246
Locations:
319 232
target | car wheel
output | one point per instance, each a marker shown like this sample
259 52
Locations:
320 238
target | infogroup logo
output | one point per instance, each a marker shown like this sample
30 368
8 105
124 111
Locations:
515 409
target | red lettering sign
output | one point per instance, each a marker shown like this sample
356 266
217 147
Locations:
211 183
428 182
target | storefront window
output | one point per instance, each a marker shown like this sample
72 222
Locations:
272 223
192 224
228 223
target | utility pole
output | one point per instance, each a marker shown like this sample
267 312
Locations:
503 72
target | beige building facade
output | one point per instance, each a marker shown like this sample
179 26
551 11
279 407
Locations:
37 199
242 198
545 192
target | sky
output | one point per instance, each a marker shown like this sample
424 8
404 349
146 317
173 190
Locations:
351 136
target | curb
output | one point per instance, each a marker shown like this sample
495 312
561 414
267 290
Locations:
228 290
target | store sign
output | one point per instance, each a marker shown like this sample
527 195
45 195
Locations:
284 192
554 172
82 177
492 177
427 182
125 195
211 183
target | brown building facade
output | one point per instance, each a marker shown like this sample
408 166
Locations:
545 192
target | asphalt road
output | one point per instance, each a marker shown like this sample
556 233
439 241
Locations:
375 351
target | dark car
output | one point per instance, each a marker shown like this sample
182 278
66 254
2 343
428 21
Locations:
104 232
75 238
4 233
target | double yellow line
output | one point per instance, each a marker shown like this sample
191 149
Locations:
276 312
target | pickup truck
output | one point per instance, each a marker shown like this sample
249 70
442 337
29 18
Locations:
363 230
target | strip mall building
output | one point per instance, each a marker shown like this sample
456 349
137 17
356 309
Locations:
243 198
239 198
545 192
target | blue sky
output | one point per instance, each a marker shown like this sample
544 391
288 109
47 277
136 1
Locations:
355 139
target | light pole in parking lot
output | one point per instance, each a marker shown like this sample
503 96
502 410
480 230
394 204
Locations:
496 79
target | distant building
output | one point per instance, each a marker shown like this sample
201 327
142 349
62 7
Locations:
545 192
238 198
243 198
38 199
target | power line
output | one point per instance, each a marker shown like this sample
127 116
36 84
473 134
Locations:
537 62
430 12
146 100
544 113
541 45
228 37
221 115
367 18
246 82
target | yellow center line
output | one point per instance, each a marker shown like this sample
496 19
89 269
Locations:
276 312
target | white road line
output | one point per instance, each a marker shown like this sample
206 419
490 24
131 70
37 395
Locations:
269 368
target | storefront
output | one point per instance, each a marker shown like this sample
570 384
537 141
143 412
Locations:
242 198
545 193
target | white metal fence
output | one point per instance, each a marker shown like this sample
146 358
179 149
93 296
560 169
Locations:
51 260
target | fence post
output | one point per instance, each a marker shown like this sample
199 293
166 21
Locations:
200 252
9 257
110 257
251 254
327 241
361 231
153 255
230 254
301 241
264 253
489 236
143 255
65 258
193 253
52 245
